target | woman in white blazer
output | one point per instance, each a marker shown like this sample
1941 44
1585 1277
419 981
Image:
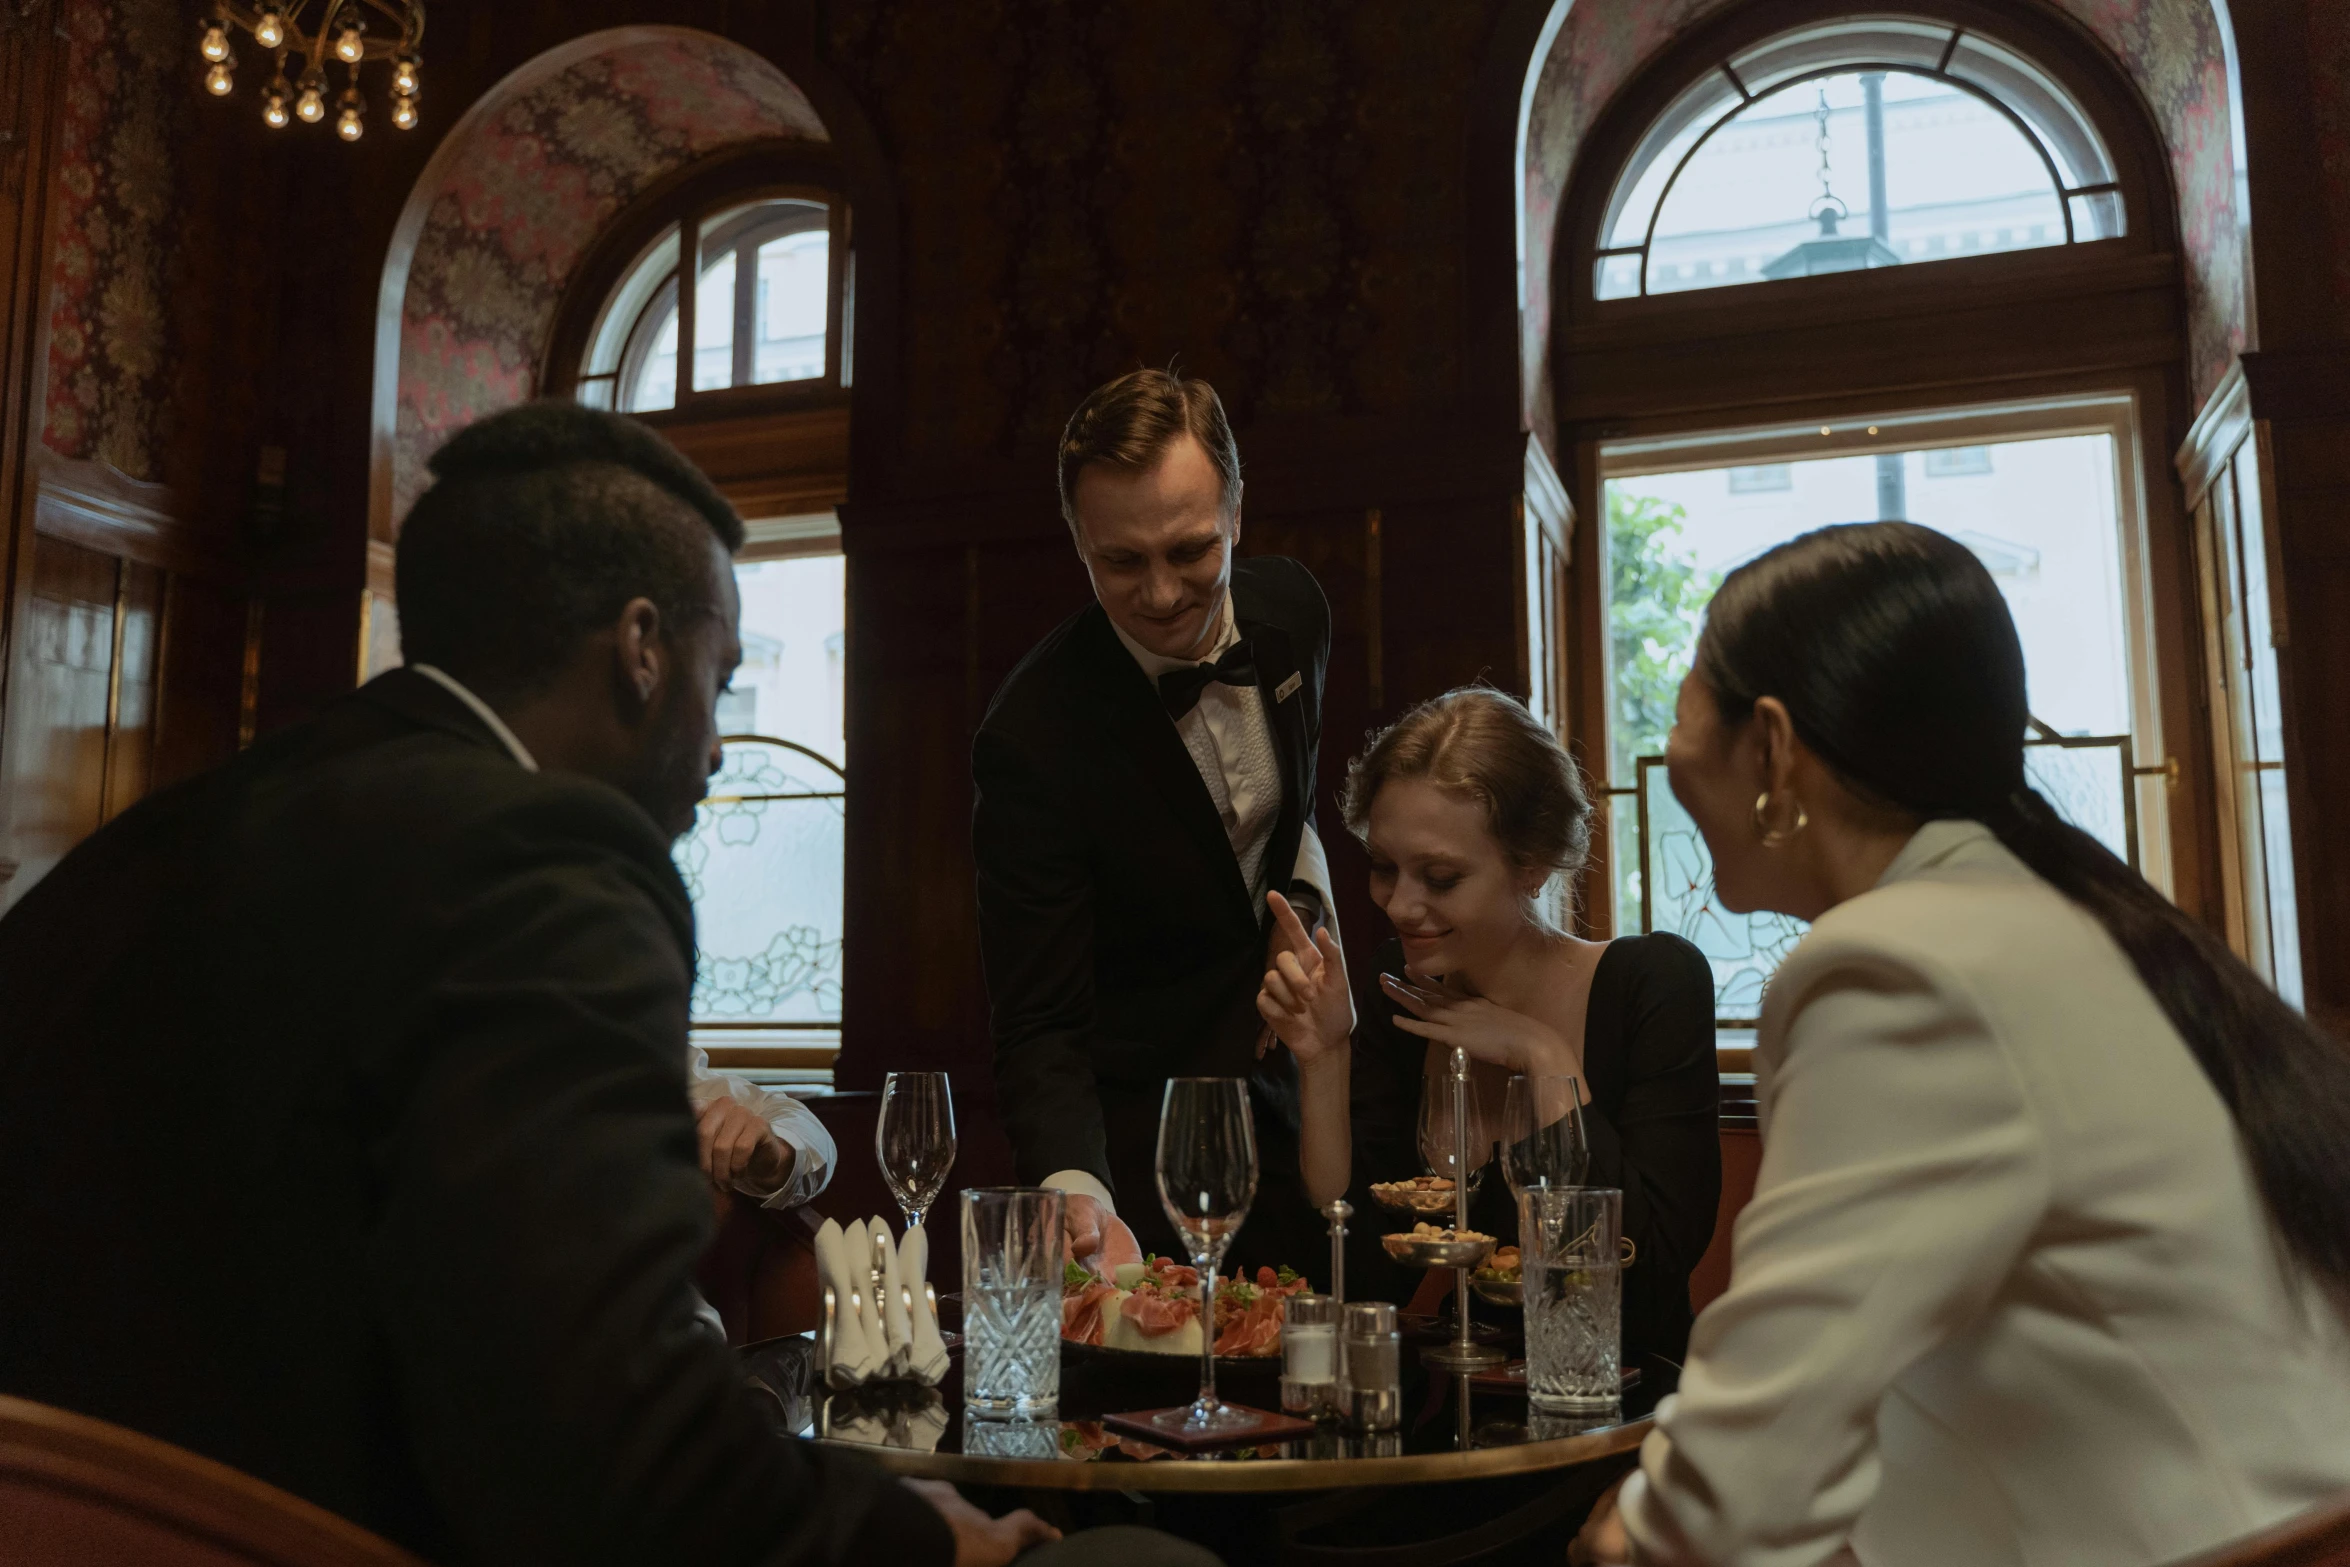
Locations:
2049 1253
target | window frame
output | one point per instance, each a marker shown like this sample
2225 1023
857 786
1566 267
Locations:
1612 158
2116 415
2056 322
756 171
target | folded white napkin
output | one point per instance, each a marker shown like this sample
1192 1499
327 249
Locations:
927 1355
896 1323
925 1427
884 1323
855 1355
869 1296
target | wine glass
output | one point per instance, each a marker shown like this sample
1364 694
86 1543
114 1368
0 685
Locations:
1542 1140
915 1139
1207 1179
1438 1147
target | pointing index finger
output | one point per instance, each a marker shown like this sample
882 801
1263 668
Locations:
1293 929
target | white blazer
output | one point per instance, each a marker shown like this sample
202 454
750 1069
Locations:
2005 1292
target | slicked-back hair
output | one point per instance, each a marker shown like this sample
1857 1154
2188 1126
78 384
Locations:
542 522
1899 665
1130 423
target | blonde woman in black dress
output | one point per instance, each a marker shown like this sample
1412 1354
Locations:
1472 813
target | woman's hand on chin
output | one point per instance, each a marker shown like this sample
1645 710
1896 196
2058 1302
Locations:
1305 999
1489 1033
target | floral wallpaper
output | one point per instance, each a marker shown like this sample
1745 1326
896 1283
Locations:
530 189
127 92
2170 48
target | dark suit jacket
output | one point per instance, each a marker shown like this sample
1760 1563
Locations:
1122 944
344 1139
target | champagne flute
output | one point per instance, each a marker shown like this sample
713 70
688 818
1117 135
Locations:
1543 1142
1207 1169
914 1139
1439 1148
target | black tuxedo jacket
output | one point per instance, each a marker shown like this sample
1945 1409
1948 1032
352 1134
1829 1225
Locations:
344 1139
1122 945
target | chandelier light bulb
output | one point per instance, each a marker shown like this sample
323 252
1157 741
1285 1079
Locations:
311 106
270 30
218 81
404 80
350 124
273 111
404 113
215 45
350 46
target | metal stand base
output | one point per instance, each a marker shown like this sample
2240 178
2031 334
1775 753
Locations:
1462 1357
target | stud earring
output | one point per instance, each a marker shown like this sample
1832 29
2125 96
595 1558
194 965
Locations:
1776 837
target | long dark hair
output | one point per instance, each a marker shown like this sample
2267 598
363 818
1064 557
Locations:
1898 662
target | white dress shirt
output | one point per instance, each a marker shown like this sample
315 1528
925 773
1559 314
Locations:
2006 1293
792 1123
1230 739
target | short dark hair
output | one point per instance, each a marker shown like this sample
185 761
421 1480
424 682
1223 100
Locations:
541 523
1133 420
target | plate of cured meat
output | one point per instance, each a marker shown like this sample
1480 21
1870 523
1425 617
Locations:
1150 1310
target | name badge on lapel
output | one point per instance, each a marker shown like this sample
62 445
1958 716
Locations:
1287 689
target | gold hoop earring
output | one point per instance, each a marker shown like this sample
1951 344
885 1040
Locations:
1776 837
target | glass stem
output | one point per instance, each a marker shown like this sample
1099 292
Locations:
1205 1409
1460 1185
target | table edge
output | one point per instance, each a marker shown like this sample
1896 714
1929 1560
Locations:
1263 1474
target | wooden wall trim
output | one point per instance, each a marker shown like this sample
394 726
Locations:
2219 428
99 507
32 72
1547 504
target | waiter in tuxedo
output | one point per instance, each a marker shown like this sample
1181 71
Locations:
1144 778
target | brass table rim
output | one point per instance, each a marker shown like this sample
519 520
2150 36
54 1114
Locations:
1255 1474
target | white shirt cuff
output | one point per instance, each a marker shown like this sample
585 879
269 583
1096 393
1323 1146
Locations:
1313 868
1078 1183
792 1123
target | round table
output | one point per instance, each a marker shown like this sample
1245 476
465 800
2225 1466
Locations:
1466 1448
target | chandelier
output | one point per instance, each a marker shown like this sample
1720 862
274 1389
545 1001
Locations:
342 36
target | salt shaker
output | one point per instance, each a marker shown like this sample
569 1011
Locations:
1374 1367
1309 1355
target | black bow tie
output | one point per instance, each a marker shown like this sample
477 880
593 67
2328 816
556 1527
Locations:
1180 688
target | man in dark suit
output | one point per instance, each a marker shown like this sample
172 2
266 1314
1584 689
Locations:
1145 777
343 1122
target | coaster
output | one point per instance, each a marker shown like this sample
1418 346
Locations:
1512 1378
1271 1427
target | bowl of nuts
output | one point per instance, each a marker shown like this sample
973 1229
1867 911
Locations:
1421 1197
1429 1246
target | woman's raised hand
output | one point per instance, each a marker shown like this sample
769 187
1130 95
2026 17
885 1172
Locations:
1305 999
1487 1032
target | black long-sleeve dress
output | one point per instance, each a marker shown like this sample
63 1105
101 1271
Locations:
1650 1068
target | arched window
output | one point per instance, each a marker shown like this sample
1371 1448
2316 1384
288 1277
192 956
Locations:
1850 145
761 403
767 311
1826 268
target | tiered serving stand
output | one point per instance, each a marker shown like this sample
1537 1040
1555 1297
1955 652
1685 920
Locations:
1464 1354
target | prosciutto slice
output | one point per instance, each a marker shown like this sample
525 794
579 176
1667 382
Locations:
1156 1313
1081 1313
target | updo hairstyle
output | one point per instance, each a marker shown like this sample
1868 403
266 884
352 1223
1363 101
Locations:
1482 744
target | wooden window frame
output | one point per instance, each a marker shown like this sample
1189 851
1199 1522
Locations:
2047 326
758 171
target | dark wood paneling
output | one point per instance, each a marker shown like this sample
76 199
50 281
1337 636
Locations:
56 752
138 646
200 679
